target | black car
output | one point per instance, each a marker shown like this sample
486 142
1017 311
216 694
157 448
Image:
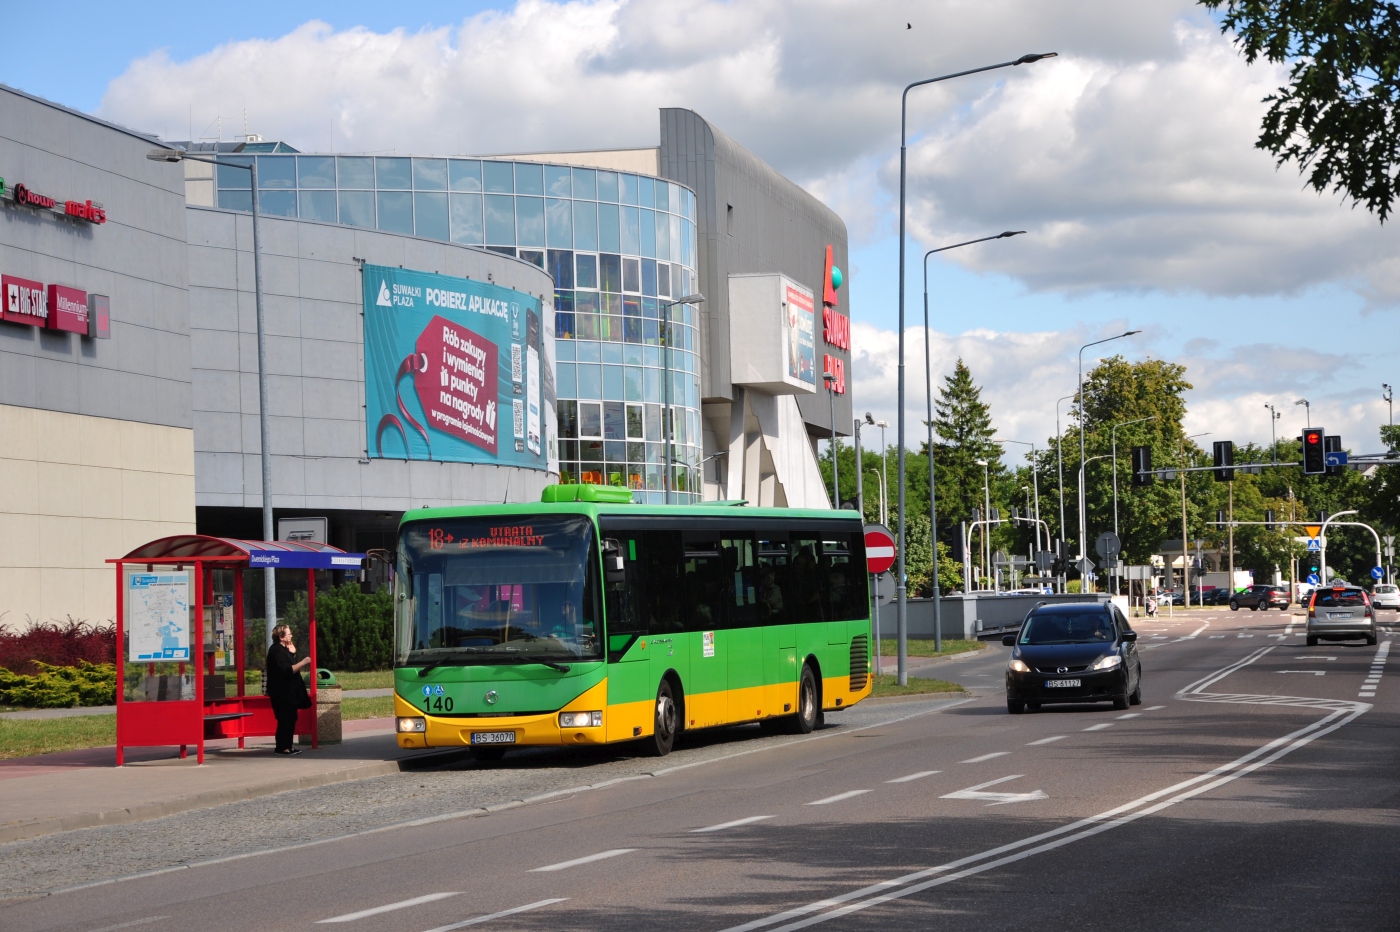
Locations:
1073 652
1259 598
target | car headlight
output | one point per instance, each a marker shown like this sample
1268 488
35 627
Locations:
580 719
411 725
1111 662
1019 665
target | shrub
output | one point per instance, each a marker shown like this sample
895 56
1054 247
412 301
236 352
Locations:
354 630
60 687
57 644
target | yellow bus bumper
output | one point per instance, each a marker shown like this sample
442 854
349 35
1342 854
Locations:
530 730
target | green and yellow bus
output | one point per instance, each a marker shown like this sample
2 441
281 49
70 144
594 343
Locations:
585 620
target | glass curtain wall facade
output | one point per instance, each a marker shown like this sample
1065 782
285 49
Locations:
618 245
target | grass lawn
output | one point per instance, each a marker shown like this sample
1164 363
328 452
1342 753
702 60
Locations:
28 736
353 708
374 679
888 685
889 647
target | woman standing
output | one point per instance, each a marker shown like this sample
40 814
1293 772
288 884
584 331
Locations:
285 687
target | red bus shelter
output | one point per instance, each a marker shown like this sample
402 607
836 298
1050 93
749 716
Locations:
176 636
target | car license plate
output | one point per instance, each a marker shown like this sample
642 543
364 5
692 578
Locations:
1050 684
1332 616
493 737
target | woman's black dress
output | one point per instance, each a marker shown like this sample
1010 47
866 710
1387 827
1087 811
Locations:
287 692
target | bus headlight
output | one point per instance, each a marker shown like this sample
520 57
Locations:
580 719
412 725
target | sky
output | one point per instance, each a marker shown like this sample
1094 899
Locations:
1129 161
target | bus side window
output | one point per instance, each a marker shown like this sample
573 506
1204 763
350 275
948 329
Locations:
657 570
843 566
707 590
741 565
807 600
773 588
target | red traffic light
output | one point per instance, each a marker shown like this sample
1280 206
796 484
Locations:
1312 436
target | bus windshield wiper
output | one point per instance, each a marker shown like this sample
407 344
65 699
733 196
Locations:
430 667
561 667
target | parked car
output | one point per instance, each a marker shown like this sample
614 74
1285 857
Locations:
1260 598
1386 596
1339 613
1073 652
1171 597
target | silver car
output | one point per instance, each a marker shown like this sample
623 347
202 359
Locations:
1385 596
1339 613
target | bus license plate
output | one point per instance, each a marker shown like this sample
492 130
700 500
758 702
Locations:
493 737
1050 684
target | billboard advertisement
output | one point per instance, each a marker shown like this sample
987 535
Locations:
457 371
801 350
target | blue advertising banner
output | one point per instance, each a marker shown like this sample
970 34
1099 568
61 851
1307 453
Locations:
456 371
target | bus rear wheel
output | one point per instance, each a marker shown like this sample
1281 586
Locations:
668 717
808 708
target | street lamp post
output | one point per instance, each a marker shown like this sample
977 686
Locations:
1083 546
987 515
1114 432
831 403
265 455
1388 396
665 308
1273 431
1307 408
1185 563
884 475
928 393
1060 462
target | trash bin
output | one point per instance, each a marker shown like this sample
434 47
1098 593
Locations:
328 724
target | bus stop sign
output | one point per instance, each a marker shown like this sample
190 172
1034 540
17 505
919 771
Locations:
879 548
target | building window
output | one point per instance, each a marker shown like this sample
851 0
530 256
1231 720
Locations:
393 173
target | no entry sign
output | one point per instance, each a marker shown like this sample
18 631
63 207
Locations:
879 548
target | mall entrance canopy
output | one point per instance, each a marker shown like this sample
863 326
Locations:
176 636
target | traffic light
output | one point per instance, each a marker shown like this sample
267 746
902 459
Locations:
1314 451
1220 516
976 515
1269 523
1332 443
1224 460
1142 466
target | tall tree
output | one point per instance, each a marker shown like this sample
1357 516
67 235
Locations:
962 424
1336 118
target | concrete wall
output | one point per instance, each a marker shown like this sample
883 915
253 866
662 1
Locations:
972 616
98 447
312 304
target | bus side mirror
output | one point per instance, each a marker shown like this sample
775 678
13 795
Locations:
613 569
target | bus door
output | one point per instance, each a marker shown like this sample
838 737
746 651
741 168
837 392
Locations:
705 594
631 691
747 664
779 634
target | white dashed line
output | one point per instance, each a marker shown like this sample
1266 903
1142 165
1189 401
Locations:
735 824
914 776
1047 740
1099 727
978 760
565 865
388 908
505 912
1129 715
1154 708
838 797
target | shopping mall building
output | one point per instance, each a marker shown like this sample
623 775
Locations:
439 330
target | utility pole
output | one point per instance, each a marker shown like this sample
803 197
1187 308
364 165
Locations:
1232 535
1185 560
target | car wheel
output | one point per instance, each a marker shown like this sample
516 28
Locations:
1254 607
1015 706
1312 641
1234 606
1033 706
1371 640
1135 697
663 735
808 715
1120 703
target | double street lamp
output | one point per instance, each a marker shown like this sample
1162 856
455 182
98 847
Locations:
1083 545
901 589
265 456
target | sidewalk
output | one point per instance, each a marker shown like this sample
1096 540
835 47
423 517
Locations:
79 789
112 710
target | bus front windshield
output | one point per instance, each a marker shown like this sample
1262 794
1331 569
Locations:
497 590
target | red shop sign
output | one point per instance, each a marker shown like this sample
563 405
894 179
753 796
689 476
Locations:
25 301
68 309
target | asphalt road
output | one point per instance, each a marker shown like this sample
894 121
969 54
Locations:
1256 788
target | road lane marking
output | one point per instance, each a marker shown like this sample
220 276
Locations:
1244 635
978 760
1154 708
505 912
1319 657
1047 740
838 797
735 824
1100 726
128 925
1342 712
1129 715
1216 636
914 776
978 792
565 865
1313 672
389 907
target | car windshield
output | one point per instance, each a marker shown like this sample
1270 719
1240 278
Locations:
497 590
1334 598
1067 628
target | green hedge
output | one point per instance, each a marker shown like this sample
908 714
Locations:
60 687
354 631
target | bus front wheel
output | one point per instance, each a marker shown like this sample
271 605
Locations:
808 709
668 716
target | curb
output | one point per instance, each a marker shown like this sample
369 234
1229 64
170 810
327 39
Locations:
22 831
896 700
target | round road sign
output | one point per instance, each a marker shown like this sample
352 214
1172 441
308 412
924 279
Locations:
879 548
1377 572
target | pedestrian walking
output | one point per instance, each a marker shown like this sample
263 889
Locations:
285 687
1152 603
